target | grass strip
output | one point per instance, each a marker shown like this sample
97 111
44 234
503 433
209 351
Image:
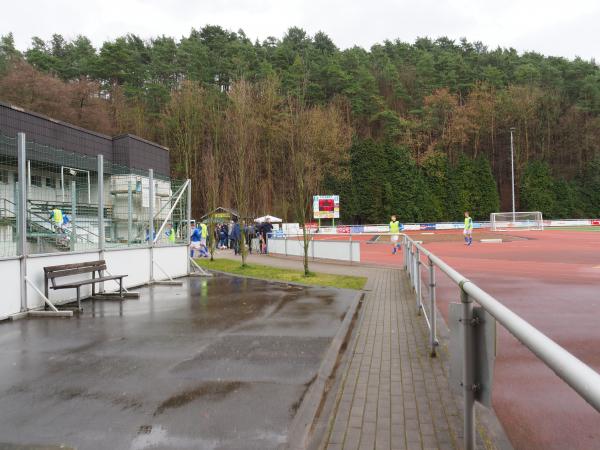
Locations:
286 275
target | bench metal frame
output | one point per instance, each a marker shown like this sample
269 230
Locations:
51 273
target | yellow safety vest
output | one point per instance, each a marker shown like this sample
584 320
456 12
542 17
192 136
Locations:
395 227
204 230
468 223
57 216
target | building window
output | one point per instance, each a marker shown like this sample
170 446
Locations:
4 176
50 182
36 180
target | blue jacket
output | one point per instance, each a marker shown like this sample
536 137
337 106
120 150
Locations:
235 233
196 235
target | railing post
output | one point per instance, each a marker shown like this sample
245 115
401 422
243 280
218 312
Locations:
418 280
468 369
73 216
432 309
21 213
101 213
151 220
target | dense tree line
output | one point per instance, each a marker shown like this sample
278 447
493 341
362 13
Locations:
430 120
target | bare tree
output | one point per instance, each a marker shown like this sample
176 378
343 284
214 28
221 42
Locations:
242 150
317 138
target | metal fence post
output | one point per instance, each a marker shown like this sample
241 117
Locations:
151 220
21 213
418 280
468 368
188 211
73 215
432 309
101 212
285 244
129 213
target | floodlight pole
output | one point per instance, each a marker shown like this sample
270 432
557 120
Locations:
512 171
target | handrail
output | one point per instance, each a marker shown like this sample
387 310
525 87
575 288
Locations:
578 375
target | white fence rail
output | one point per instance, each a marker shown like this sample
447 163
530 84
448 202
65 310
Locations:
582 378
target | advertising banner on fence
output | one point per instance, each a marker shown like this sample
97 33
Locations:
573 223
595 222
326 206
377 228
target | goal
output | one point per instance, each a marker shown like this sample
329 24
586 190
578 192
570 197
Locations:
523 220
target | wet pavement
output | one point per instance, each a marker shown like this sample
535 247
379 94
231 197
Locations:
220 363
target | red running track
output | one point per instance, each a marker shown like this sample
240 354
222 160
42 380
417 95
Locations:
552 280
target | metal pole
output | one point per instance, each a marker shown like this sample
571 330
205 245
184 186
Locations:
432 309
21 213
468 382
189 222
512 171
418 280
62 181
101 212
73 215
151 220
129 213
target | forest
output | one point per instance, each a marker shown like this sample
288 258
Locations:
421 130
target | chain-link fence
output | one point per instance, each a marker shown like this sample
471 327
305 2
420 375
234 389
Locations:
62 203
8 196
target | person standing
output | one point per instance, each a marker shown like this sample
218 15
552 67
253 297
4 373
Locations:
170 234
203 240
235 236
394 234
195 239
266 230
468 231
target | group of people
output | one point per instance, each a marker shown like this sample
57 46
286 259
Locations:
229 236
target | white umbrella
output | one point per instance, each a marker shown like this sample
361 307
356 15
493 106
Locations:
271 219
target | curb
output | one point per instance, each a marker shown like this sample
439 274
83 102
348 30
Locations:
301 427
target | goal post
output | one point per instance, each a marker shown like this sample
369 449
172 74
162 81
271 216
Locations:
531 220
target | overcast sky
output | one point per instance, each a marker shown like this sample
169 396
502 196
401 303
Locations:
553 27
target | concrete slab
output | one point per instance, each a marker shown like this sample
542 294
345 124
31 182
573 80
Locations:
218 363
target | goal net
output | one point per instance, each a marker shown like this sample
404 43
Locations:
523 220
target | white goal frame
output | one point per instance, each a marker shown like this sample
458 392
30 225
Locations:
524 220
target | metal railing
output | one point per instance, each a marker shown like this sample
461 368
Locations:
579 376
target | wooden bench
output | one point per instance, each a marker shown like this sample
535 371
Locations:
51 273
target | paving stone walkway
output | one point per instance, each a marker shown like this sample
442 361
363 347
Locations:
392 394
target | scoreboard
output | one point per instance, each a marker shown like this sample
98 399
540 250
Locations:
326 206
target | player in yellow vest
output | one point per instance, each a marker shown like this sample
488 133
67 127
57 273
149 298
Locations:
57 218
395 234
203 239
468 231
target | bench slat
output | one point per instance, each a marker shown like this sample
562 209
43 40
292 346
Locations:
89 281
99 262
70 272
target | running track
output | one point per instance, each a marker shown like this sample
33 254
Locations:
552 280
